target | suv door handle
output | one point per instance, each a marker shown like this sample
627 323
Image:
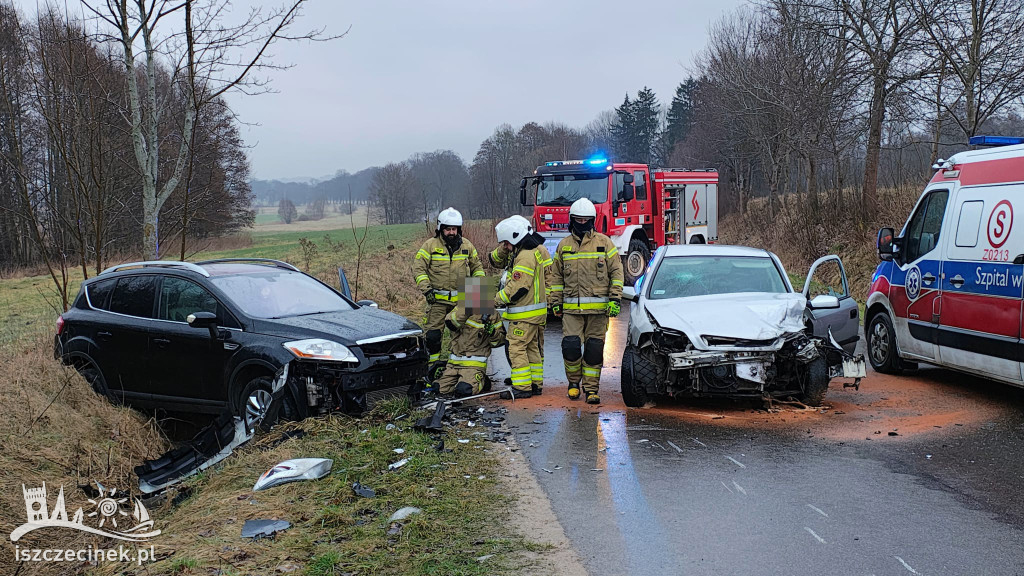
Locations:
928 278
957 281
161 342
105 335
853 314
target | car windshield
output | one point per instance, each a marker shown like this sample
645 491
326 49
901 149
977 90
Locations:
564 189
279 293
683 276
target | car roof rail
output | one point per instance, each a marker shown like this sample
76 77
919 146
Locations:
271 261
158 264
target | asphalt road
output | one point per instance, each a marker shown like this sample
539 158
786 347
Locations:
719 488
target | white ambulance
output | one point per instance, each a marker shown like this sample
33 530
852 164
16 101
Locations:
949 289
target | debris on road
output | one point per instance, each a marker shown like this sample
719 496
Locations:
399 464
432 423
210 446
399 450
257 529
293 471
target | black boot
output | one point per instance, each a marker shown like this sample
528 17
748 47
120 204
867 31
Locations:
463 389
515 394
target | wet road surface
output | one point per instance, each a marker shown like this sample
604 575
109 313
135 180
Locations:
699 487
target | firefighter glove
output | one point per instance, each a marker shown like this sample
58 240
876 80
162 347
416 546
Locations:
451 325
557 310
613 309
429 295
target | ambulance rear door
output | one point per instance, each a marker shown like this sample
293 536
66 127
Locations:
981 288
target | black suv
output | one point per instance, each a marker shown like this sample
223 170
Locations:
253 336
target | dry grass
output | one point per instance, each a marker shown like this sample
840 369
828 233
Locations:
58 431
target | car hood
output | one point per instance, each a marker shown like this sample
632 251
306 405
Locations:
745 316
342 327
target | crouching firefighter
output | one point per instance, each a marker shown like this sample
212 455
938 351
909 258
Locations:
524 306
440 267
474 330
586 287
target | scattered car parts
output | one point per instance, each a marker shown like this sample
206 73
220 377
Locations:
293 471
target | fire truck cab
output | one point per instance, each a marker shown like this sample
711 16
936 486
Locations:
949 288
640 208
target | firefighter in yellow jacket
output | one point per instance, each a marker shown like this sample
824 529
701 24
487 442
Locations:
524 306
475 331
586 287
441 266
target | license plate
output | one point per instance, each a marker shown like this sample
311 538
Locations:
753 371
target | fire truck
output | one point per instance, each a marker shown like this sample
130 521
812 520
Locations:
639 207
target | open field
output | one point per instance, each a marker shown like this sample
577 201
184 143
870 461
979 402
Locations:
267 220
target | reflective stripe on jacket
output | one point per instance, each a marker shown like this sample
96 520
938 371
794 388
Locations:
585 274
434 268
527 274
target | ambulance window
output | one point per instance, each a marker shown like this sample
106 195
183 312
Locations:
923 232
640 184
970 223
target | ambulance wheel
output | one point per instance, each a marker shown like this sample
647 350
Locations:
635 261
881 344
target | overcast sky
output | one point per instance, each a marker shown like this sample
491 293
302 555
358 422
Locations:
414 76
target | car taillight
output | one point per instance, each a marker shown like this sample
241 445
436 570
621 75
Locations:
60 325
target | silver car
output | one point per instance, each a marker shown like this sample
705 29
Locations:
714 320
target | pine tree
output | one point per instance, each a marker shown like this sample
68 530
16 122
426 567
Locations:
623 130
680 118
645 125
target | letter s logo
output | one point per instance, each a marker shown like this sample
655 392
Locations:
1000 222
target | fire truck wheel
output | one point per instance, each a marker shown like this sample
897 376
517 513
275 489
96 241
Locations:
635 261
881 344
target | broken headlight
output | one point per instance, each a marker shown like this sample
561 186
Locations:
320 349
672 340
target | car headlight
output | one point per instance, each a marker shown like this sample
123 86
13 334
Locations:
320 349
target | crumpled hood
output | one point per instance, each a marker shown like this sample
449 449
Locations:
748 316
343 327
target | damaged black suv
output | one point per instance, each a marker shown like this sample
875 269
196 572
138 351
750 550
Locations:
257 338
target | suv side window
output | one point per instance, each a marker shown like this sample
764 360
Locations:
925 225
180 297
98 293
134 296
640 184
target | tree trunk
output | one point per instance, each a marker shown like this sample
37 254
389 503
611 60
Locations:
869 198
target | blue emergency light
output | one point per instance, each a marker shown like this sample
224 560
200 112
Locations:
996 140
597 161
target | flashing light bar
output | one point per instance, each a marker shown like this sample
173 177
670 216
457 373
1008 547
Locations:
996 140
592 162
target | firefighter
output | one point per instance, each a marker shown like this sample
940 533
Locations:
586 286
441 266
475 331
524 305
499 258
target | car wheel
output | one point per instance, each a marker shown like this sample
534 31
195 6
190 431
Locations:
881 344
254 403
816 383
634 393
635 261
94 377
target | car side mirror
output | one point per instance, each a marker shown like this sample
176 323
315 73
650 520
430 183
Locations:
522 193
367 304
823 302
885 244
629 293
206 320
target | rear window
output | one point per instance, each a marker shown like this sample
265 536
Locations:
684 276
279 293
134 296
99 293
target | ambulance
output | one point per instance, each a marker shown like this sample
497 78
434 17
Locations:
949 288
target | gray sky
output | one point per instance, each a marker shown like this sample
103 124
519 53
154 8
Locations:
416 76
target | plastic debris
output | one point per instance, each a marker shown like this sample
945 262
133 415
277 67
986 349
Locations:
484 558
293 471
399 450
257 529
461 441
364 491
399 464
548 471
404 513
390 427
432 423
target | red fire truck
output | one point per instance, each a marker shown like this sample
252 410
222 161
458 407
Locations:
639 207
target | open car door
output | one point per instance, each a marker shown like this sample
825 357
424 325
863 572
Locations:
827 277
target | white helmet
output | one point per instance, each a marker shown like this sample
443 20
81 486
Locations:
513 229
524 220
449 217
583 208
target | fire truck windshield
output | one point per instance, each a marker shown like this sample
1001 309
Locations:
564 189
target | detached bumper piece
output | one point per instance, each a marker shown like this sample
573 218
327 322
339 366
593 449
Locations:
213 444
325 387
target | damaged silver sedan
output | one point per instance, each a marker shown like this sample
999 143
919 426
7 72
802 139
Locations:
712 320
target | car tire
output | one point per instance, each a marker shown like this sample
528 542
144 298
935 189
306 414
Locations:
634 393
94 377
254 403
881 345
816 383
635 261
